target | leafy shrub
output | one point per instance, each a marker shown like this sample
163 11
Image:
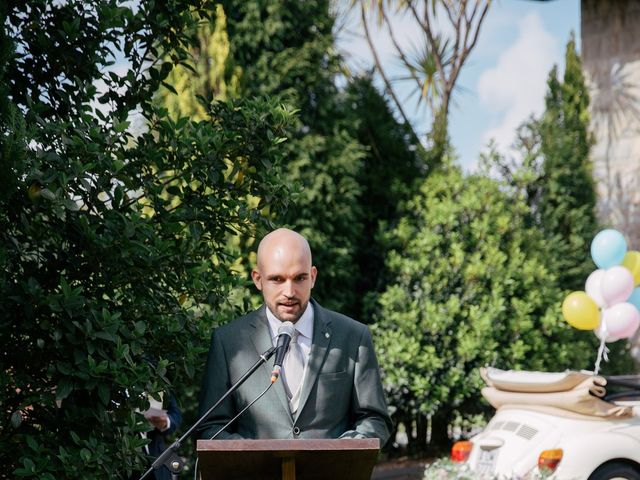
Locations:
113 227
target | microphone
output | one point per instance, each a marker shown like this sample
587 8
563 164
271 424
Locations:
285 332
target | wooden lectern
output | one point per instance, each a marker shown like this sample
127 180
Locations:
302 459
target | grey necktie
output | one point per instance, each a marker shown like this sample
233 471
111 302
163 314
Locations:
293 370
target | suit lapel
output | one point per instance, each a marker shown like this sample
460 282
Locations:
261 339
319 348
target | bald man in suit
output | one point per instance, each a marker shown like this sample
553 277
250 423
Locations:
338 395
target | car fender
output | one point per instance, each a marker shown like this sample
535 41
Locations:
583 454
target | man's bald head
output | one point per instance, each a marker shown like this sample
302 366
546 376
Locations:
283 242
284 273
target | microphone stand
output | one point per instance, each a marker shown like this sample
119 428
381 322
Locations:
170 458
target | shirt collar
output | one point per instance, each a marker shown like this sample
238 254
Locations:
304 325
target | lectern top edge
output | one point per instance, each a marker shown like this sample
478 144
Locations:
290 445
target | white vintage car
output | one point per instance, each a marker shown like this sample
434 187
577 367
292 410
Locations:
561 426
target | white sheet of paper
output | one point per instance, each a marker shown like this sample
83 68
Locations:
155 407
155 412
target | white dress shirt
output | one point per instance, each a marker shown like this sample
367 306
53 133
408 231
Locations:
304 327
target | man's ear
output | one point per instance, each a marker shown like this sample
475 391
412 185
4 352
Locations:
257 278
314 273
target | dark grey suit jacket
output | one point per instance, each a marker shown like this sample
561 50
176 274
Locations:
341 397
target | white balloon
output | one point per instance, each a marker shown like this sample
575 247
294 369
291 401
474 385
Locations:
593 286
617 285
601 331
621 320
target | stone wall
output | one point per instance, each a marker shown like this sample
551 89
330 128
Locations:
611 59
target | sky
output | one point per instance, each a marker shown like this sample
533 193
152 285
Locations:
503 82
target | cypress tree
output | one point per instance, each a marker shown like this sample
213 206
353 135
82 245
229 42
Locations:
567 195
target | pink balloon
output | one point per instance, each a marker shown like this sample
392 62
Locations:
622 320
593 286
616 285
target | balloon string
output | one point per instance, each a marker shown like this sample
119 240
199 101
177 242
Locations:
602 353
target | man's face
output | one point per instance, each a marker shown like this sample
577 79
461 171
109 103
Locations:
285 277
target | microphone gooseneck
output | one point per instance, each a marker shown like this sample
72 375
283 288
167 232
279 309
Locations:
285 333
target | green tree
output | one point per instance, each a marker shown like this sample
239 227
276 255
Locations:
338 159
284 49
393 168
555 172
209 72
471 287
112 240
568 196
554 176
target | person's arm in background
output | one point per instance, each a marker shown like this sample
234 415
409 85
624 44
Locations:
170 422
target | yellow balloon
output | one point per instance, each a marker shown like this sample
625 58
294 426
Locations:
632 262
580 311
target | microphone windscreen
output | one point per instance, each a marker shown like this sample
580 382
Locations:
287 328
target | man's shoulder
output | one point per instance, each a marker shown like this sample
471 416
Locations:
339 320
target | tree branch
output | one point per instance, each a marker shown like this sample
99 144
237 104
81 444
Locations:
478 25
468 47
387 83
401 54
426 27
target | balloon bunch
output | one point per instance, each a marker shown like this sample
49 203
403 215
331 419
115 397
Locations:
610 303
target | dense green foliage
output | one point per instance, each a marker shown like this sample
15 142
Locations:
471 288
555 178
112 239
480 268
348 158
568 196
131 199
556 174
346 181
392 169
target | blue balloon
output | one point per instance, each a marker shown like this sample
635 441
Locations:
608 248
634 299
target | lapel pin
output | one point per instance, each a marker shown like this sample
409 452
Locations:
326 335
